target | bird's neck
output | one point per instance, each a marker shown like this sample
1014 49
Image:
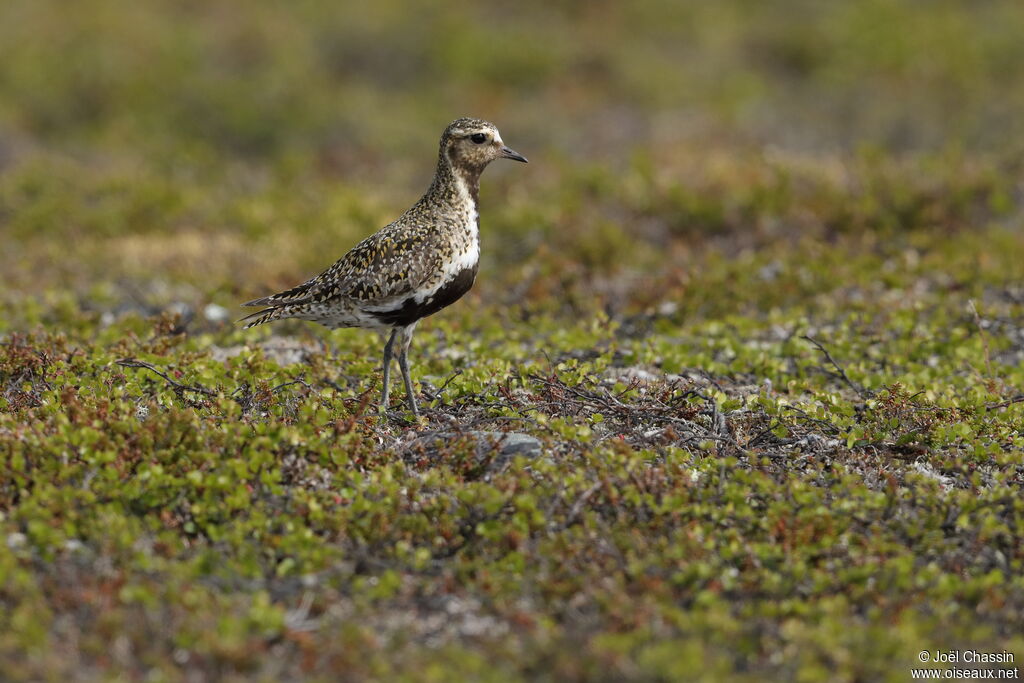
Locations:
459 184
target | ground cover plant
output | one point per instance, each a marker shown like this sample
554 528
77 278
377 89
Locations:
754 314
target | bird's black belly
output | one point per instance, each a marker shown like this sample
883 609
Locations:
412 310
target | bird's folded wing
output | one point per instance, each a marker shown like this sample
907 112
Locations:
382 267
385 268
295 295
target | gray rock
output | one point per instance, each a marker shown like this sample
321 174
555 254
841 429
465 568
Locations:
642 375
216 313
500 447
281 350
509 444
631 374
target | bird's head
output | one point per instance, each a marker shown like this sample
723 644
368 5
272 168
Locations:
470 144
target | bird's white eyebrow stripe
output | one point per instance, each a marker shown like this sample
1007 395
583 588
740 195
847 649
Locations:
467 131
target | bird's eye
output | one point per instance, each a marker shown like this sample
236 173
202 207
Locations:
478 138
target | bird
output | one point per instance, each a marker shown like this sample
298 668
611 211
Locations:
424 261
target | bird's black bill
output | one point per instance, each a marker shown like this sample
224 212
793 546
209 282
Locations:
507 153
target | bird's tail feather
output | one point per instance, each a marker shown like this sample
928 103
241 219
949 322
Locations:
295 295
259 317
262 301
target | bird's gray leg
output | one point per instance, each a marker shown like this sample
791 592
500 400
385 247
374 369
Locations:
403 364
387 369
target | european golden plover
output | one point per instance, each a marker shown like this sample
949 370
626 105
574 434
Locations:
412 268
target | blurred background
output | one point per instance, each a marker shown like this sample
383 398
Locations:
185 150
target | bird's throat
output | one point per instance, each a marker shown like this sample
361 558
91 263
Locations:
469 184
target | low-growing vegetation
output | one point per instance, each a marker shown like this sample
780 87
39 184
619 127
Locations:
738 396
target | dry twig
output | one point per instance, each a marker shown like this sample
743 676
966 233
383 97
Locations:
840 372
